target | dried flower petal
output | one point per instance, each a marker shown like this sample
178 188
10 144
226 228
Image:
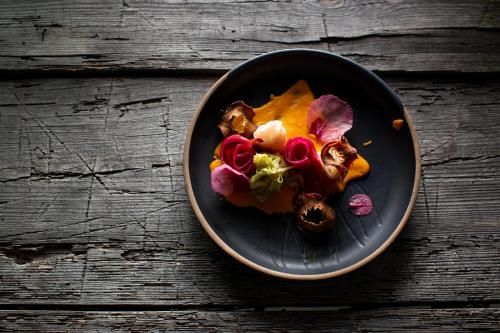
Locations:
329 118
225 180
360 204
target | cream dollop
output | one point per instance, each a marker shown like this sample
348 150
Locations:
273 135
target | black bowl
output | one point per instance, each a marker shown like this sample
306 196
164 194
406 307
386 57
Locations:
272 243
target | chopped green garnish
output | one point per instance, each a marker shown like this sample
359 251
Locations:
270 169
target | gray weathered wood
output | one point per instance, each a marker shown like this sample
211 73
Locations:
149 35
97 234
93 208
269 320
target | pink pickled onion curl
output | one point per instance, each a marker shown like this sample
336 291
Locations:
237 152
301 154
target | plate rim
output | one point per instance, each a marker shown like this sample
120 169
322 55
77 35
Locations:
260 268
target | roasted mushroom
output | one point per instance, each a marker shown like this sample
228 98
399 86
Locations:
337 156
237 119
313 213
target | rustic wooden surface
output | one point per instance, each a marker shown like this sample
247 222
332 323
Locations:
97 234
388 35
251 320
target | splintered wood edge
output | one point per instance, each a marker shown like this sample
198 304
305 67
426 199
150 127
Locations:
245 261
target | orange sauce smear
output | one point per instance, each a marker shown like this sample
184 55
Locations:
279 202
291 108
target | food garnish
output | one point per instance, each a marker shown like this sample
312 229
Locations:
237 152
237 119
329 118
337 156
225 180
272 134
397 124
300 153
313 213
367 143
288 156
268 177
360 204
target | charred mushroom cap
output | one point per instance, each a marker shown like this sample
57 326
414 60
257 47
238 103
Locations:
237 119
313 213
337 156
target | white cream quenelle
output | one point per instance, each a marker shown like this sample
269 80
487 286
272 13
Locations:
273 135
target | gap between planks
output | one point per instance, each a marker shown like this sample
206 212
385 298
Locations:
10 75
247 308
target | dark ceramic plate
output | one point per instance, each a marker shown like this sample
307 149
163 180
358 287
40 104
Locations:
272 243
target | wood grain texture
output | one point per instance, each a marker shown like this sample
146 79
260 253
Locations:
97 234
343 320
93 208
141 35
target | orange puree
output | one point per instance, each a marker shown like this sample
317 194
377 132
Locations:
291 108
280 202
215 163
358 168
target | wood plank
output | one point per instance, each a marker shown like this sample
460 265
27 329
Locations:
93 208
108 117
268 320
142 35
437 269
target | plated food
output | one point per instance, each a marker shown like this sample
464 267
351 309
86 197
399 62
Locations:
288 156
258 227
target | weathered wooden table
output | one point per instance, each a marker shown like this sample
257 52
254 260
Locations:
96 232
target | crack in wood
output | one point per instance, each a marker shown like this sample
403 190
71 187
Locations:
49 132
459 159
143 102
54 175
27 104
450 139
165 117
87 230
426 201
249 307
27 254
108 105
133 254
127 7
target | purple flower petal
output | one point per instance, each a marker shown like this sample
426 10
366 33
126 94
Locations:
329 118
360 204
225 180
